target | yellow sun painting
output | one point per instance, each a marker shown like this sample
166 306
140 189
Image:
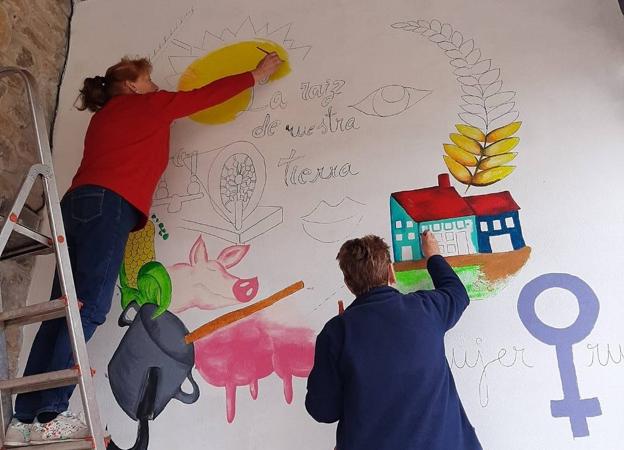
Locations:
228 53
228 60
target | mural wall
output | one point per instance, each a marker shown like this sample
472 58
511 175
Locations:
493 125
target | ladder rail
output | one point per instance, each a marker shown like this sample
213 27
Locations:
63 266
36 111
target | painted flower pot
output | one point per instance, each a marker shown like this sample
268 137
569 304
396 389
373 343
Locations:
151 343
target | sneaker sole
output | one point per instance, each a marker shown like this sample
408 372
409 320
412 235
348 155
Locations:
16 444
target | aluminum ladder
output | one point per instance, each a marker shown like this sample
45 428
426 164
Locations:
18 240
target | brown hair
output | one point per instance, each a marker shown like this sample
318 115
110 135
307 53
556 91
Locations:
364 263
97 91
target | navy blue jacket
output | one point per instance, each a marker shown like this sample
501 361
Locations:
380 370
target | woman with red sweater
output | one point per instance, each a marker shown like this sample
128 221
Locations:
126 151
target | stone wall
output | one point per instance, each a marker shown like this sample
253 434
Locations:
33 35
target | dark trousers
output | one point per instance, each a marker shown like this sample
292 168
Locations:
97 224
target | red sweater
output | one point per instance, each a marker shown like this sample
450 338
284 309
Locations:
126 147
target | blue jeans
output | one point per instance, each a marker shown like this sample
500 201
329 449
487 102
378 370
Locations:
97 224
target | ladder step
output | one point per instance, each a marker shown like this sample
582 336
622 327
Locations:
32 234
76 445
24 241
39 312
41 381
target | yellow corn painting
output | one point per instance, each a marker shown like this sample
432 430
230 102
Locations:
231 59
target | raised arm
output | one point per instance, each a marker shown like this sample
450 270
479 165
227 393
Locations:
449 298
174 105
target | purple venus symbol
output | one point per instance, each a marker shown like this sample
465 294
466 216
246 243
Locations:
572 406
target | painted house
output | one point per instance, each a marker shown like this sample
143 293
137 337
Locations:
439 209
498 221
461 225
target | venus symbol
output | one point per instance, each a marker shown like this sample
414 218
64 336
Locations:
572 405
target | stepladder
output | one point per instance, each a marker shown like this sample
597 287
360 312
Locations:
17 240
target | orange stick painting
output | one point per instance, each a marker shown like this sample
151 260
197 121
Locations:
239 314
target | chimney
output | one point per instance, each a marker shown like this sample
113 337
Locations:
444 181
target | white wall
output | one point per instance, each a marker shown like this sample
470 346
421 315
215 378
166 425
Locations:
564 61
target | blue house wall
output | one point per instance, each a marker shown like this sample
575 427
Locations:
515 231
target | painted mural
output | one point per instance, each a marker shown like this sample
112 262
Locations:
218 194
466 229
235 349
261 191
481 234
480 152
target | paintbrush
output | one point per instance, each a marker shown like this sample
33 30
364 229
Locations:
263 50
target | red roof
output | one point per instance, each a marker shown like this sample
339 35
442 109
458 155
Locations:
492 204
433 203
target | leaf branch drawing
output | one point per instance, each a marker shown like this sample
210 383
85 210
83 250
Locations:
485 140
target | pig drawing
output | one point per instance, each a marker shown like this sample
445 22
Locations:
206 283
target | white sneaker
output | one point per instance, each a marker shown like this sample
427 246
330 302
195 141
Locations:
18 434
66 427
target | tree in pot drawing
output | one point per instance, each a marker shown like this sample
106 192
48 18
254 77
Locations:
235 185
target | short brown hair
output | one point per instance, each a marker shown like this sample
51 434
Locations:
364 263
97 91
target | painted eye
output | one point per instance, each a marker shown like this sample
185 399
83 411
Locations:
390 100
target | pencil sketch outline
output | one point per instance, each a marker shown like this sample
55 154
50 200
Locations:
175 202
246 29
169 38
314 225
377 101
235 186
480 83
